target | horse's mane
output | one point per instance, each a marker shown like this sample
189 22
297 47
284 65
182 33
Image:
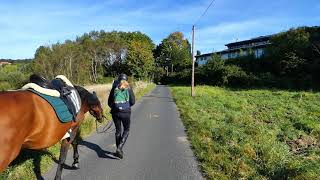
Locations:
85 95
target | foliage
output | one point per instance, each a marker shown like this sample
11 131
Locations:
287 51
63 59
214 72
105 80
96 54
252 134
14 76
292 61
173 51
140 59
159 73
181 78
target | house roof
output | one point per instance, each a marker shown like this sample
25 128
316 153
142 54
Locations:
245 42
257 39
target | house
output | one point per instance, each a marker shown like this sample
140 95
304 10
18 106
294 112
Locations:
236 49
4 63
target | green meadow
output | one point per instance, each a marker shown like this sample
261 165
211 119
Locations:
252 134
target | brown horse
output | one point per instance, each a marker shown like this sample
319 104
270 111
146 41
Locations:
28 121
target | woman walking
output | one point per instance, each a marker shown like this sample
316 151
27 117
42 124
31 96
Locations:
120 100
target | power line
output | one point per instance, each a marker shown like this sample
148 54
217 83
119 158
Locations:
204 13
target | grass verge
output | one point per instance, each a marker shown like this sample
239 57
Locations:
252 134
29 161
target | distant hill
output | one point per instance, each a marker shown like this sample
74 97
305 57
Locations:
16 60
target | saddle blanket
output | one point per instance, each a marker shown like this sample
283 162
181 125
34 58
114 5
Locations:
58 105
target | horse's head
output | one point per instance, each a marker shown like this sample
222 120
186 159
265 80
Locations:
95 108
92 102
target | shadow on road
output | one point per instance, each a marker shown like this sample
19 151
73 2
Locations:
100 152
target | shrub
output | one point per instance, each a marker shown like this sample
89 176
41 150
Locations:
12 77
183 77
159 72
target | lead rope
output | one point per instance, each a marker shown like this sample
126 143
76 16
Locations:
105 128
97 127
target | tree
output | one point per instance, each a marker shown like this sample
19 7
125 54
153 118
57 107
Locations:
140 59
288 50
41 63
119 46
96 54
174 51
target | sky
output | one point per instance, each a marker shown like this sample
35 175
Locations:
27 24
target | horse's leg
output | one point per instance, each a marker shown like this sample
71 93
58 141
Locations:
75 143
62 158
7 154
37 167
4 160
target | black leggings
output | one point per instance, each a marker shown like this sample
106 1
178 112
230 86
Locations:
124 118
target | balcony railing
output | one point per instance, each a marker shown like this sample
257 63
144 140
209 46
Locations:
251 45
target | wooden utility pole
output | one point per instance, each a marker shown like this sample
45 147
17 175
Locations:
193 58
193 62
167 69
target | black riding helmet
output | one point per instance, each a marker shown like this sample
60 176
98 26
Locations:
123 77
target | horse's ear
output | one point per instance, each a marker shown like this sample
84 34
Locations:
94 94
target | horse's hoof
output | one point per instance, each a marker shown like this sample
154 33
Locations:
76 165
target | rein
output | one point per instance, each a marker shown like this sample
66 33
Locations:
105 128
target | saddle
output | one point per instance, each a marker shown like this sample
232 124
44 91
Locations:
63 86
59 83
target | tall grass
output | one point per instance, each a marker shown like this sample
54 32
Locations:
253 134
25 165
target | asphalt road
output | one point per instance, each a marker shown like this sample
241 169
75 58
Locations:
157 147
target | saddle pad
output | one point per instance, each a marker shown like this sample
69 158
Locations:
58 105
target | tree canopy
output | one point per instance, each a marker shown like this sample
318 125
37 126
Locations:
173 51
97 54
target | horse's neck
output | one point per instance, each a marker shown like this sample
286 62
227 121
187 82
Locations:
83 110
84 106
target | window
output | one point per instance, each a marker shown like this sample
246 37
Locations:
258 53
